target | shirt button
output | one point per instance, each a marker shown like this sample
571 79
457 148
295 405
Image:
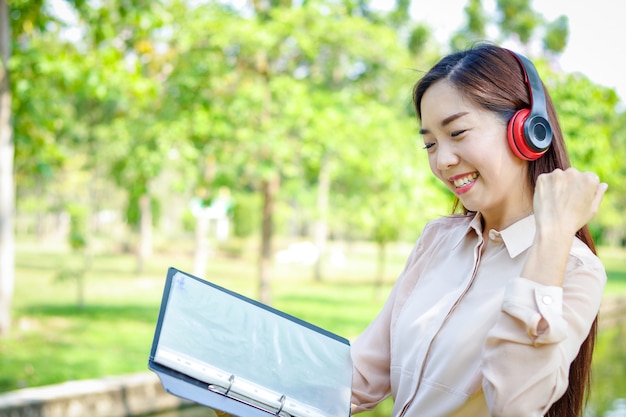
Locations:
494 235
546 299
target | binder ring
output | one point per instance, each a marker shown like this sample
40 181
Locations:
231 381
282 404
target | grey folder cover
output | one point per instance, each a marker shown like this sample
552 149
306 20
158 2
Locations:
228 352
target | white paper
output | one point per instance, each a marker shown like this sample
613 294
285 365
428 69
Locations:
229 342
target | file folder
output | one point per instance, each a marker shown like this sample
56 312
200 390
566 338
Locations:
231 353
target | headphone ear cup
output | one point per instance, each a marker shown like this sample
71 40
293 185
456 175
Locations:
515 132
517 139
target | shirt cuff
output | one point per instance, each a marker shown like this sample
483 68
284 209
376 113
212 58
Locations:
539 307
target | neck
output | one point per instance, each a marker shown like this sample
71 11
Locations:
502 221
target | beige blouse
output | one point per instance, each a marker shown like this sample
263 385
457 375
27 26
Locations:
459 335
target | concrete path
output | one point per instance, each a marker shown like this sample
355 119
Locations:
115 396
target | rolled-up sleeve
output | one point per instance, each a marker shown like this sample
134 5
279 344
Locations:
538 308
371 358
537 335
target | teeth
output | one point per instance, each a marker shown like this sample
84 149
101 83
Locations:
465 180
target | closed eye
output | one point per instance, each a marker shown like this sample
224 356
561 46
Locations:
429 145
458 133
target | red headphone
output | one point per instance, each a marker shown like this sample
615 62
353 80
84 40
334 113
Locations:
529 131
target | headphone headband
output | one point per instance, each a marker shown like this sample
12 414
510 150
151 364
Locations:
530 133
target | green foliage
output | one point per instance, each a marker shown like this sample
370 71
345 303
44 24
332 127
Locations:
78 226
26 16
517 17
246 217
133 212
165 98
586 113
514 20
419 38
39 109
557 33
589 121
475 27
476 19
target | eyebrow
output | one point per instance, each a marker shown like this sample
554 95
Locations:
446 121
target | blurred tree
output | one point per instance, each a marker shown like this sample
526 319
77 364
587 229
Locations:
593 128
614 224
275 98
21 25
517 19
125 35
557 33
400 15
273 103
586 110
475 28
419 38
77 239
306 104
339 107
72 95
7 190
513 20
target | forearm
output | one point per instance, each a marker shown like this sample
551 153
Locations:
542 327
547 258
563 202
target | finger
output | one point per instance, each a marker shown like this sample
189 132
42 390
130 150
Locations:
595 179
597 198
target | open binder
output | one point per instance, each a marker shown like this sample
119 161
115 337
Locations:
223 350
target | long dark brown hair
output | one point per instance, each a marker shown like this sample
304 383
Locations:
491 77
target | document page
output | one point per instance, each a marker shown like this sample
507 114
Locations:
253 353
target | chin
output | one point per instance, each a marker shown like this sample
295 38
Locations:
470 206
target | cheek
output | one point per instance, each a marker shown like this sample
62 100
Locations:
432 162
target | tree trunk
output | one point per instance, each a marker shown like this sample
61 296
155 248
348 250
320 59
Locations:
321 224
7 186
201 256
145 232
269 188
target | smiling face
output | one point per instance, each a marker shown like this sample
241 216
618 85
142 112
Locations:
468 151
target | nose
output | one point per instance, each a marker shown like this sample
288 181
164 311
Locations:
446 156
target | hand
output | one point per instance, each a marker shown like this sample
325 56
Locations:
567 200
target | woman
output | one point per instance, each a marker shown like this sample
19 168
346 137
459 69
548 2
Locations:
494 305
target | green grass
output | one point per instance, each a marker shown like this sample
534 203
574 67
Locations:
609 371
55 340
614 260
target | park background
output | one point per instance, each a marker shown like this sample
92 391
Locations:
268 146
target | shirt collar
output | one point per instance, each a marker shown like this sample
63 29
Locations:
475 224
517 237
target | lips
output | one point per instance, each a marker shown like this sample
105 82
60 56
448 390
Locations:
464 180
